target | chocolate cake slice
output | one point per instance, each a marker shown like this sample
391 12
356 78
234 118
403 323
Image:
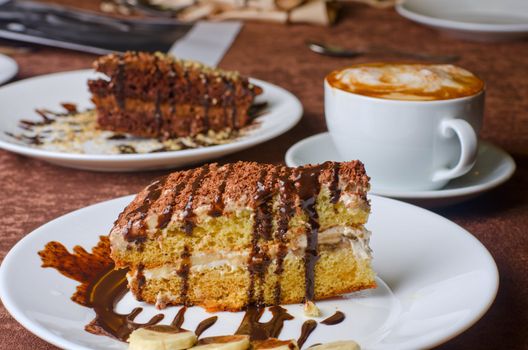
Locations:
157 95
225 237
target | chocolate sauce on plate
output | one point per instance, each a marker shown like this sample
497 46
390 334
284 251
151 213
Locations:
205 325
307 328
336 318
263 330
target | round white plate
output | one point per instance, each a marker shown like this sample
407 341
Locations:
20 99
435 281
493 167
480 20
8 68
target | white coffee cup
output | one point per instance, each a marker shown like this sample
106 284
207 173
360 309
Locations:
405 145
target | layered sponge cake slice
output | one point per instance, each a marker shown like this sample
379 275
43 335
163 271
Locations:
225 237
157 95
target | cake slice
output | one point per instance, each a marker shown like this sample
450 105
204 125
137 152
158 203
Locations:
156 95
229 236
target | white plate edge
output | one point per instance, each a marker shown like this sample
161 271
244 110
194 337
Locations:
13 72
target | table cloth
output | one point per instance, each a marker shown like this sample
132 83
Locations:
34 192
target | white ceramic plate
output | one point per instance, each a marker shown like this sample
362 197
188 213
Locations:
8 68
481 20
493 167
20 99
435 280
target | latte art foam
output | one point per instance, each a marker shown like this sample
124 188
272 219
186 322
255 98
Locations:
399 81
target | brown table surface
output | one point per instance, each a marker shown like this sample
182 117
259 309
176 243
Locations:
34 192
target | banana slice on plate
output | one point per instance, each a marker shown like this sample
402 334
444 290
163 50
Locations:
227 342
337 345
161 337
274 344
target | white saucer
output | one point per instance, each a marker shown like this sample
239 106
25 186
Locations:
435 280
8 68
493 167
479 20
20 99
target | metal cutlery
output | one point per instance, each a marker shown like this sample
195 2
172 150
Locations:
338 51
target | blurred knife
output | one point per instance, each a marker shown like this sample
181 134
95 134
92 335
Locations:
88 31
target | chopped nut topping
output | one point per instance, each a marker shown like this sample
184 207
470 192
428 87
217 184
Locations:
311 310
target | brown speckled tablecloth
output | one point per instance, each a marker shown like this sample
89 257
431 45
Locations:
34 192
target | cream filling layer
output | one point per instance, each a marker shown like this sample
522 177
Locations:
358 238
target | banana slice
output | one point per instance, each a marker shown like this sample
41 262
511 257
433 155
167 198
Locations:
337 345
226 342
274 344
161 337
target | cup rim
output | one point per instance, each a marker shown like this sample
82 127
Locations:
386 100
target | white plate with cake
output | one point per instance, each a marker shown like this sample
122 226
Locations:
141 111
235 236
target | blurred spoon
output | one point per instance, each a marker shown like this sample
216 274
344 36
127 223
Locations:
9 50
338 51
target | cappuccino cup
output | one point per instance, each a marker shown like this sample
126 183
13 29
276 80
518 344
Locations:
414 126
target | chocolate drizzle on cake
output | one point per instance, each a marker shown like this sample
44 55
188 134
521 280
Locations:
335 192
259 260
206 103
173 78
257 330
140 282
232 101
183 272
158 118
139 214
263 211
218 205
307 328
119 84
308 187
285 213
166 215
336 318
188 213
205 325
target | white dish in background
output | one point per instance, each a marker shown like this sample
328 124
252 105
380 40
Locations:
493 167
479 20
435 281
20 99
8 68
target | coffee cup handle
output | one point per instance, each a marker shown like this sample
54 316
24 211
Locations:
468 148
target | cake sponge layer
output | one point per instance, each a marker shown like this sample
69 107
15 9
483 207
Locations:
224 287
